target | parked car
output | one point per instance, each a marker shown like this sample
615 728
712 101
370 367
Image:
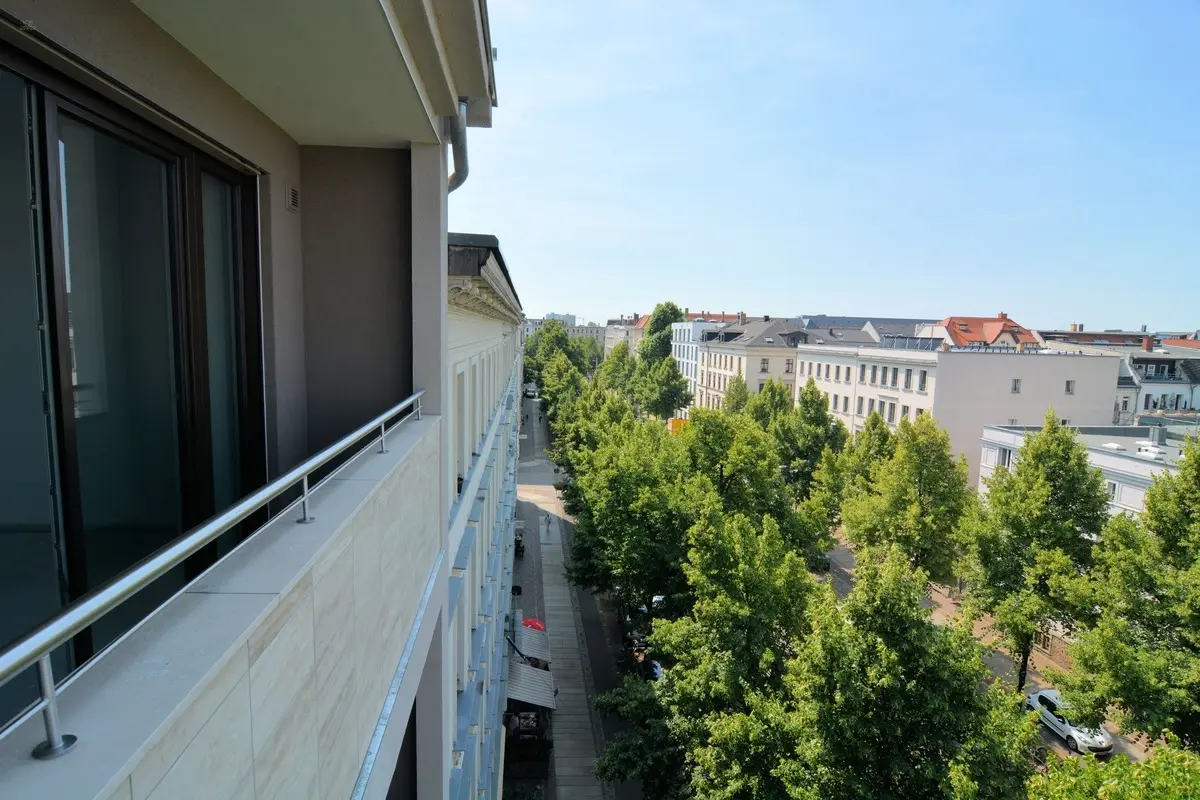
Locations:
1052 710
530 390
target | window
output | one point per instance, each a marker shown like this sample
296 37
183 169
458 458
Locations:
903 412
871 406
145 304
895 376
1064 422
837 373
862 373
810 368
1004 458
1147 405
1070 387
891 412
921 380
920 411
1016 386
908 378
858 407
845 403
789 366
764 364
760 385
874 372
1112 490
1124 403
835 402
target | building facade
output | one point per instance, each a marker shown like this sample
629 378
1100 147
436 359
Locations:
566 319
758 350
531 326
250 204
624 329
595 332
1130 458
963 388
684 343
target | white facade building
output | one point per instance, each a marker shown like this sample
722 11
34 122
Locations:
685 348
530 326
568 320
1130 457
759 350
595 332
964 388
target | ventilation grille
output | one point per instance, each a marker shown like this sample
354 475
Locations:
291 198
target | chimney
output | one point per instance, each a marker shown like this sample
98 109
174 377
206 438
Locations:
686 310
1002 315
1143 329
766 317
1148 344
741 318
635 317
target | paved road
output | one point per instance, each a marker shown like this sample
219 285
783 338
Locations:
841 573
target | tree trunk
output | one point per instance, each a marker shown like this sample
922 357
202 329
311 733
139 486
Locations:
1023 665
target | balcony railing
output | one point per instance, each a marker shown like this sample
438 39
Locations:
35 647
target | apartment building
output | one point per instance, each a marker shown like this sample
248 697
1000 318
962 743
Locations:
568 320
758 350
997 331
684 338
245 364
1130 457
595 332
1153 378
531 326
624 329
965 388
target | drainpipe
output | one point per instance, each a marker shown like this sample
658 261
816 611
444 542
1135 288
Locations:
456 126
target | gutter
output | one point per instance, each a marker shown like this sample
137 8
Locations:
456 127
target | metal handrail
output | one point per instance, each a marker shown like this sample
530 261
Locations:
36 646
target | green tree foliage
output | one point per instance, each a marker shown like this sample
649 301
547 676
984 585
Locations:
802 434
870 446
1141 654
561 384
1033 536
877 702
646 749
616 371
656 341
585 353
660 387
772 401
736 395
640 501
915 499
1168 773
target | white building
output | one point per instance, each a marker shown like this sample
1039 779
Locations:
624 329
236 560
758 350
1130 457
684 347
568 320
530 326
964 388
595 332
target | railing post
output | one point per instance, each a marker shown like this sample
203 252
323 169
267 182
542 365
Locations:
418 408
57 743
382 438
304 516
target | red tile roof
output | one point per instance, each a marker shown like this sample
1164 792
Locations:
986 330
1182 343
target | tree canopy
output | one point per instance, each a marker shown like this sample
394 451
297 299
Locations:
656 341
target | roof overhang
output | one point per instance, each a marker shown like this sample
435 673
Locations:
353 73
478 278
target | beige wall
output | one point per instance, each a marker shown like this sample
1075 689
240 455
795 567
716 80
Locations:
118 40
358 277
266 678
713 373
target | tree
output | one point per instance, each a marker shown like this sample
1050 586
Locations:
870 445
915 500
736 394
656 341
1034 533
802 434
543 345
640 501
1169 772
616 370
660 387
646 749
771 401
561 383
585 353
1140 656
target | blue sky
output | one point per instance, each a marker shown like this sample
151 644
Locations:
903 159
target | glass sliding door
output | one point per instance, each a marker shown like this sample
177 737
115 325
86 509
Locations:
32 578
116 273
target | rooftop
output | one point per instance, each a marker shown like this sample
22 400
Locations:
986 330
758 333
1120 440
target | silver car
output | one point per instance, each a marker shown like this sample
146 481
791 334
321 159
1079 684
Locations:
1052 710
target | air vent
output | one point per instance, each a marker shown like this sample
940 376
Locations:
292 198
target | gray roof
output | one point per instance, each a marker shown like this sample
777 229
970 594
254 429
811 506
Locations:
925 343
825 321
461 262
530 685
784 333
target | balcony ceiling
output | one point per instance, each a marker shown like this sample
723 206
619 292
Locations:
336 72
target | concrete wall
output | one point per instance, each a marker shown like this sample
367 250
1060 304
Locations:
358 281
267 677
118 40
974 390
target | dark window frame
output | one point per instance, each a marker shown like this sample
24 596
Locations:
55 95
